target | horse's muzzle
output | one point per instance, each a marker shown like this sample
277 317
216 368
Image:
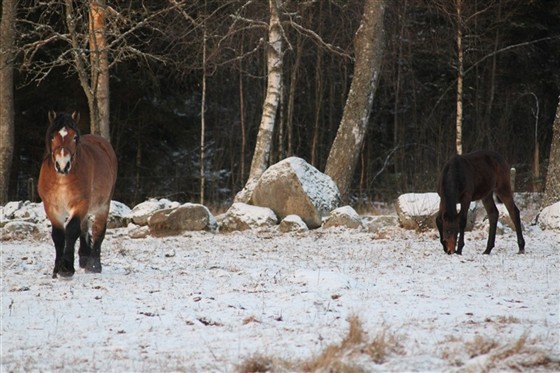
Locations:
63 170
449 247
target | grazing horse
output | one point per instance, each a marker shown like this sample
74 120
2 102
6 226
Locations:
76 184
471 177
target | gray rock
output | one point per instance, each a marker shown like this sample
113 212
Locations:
377 223
20 228
549 218
292 223
119 215
172 221
294 187
241 216
142 212
344 216
418 211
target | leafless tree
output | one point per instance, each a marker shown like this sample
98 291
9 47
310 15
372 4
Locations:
7 38
552 187
97 38
270 105
368 45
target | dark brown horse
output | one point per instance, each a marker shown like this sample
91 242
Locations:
472 177
76 185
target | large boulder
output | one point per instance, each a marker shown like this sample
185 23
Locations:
187 217
241 216
142 212
23 211
294 187
119 215
344 216
18 229
418 211
549 218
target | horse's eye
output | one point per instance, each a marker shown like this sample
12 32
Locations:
75 137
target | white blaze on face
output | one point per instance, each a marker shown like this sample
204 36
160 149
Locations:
63 133
63 159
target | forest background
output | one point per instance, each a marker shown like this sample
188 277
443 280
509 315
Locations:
182 70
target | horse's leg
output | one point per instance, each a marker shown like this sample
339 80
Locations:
72 232
84 251
85 248
439 223
57 235
493 215
97 235
462 225
507 199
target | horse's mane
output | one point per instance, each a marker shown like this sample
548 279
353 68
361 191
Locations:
60 120
450 187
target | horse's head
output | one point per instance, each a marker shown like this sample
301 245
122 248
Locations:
62 140
450 230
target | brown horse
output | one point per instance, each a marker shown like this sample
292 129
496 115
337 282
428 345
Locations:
472 177
76 184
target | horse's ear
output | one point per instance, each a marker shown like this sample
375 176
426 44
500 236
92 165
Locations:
52 115
76 116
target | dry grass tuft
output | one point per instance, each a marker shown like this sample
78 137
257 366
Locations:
480 346
256 364
519 355
335 357
383 345
331 358
354 344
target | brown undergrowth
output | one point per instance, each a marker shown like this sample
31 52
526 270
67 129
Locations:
484 354
335 357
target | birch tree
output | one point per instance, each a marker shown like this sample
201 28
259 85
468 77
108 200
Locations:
7 37
368 46
552 186
270 107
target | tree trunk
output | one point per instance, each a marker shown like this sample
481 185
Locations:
315 140
203 122
264 137
459 117
99 61
242 125
7 38
294 77
552 187
368 46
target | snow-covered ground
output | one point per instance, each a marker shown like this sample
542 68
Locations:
211 301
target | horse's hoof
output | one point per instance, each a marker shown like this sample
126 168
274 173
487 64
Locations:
66 273
93 266
521 251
